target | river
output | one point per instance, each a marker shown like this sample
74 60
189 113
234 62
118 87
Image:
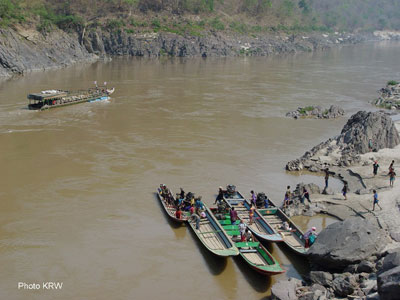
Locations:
77 183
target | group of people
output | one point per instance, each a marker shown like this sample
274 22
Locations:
183 202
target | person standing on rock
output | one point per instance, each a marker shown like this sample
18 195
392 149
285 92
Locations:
288 195
391 167
375 166
307 236
392 177
345 190
305 195
375 200
326 177
370 145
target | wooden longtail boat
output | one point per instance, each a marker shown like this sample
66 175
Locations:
170 208
260 226
292 238
253 253
56 98
213 236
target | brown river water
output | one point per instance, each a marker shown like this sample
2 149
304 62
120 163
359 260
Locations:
77 202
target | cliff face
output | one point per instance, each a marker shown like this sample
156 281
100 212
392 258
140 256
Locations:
213 44
27 50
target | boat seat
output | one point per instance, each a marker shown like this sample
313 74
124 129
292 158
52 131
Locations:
233 232
248 250
247 244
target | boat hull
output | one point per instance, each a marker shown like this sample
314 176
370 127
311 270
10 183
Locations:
169 209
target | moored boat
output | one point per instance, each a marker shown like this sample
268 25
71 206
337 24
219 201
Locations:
253 252
292 237
213 236
168 202
260 226
56 98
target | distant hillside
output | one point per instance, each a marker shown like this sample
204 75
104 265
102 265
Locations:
196 17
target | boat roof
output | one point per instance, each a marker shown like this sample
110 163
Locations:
43 95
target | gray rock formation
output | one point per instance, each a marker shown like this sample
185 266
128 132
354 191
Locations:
285 289
363 126
389 96
28 50
389 284
316 112
348 242
352 141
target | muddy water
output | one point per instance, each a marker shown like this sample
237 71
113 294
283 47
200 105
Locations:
77 183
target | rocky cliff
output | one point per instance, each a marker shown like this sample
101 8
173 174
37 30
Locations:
25 50
354 139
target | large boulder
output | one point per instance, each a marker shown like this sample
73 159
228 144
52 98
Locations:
389 284
345 243
389 277
363 126
285 289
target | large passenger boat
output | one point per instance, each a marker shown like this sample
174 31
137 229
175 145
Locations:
56 98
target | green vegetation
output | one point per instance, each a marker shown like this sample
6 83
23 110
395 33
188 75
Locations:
196 16
392 82
304 110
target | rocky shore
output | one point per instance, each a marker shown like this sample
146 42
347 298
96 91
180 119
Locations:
359 257
316 112
389 96
25 49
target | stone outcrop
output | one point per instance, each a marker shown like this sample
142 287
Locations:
316 112
389 277
345 243
28 50
344 150
389 96
285 289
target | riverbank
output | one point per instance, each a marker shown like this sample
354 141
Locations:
25 49
359 257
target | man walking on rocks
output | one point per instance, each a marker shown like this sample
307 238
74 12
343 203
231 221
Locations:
392 176
376 166
326 177
375 200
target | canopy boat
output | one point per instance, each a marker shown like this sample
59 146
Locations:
213 236
168 202
253 253
260 226
293 237
56 98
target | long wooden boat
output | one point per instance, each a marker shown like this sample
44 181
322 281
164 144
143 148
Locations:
213 236
260 226
56 98
253 253
170 208
292 238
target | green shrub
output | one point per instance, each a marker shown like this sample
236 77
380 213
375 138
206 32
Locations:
156 24
392 82
217 24
115 24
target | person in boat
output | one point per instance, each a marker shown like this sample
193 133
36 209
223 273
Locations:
220 196
288 196
178 213
242 230
195 218
306 236
253 198
251 214
305 195
286 226
248 235
182 194
198 205
233 215
191 209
